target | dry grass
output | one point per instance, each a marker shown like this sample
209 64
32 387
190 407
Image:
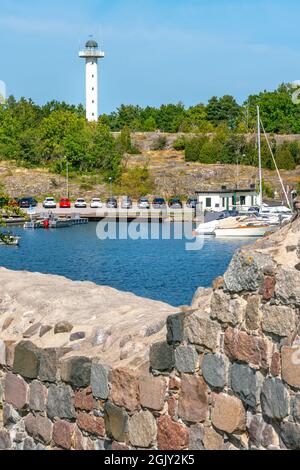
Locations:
172 176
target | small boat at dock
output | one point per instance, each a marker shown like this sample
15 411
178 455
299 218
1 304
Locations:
259 220
242 230
207 228
50 221
10 240
242 226
60 223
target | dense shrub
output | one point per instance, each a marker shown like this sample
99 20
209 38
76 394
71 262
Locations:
159 143
193 148
135 182
229 148
179 144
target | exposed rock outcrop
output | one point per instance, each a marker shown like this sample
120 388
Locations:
54 312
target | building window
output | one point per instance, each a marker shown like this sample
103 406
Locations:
243 200
208 202
223 202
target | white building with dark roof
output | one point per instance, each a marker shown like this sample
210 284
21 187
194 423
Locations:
228 199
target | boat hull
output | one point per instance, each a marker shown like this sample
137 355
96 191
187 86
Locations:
207 228
13 241
60 223
240 232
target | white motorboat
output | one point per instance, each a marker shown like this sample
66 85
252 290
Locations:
241 231
207 228
243 226
275 215
240 226
10 240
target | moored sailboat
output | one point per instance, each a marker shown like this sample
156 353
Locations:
256 226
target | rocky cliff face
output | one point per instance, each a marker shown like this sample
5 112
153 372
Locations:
226 375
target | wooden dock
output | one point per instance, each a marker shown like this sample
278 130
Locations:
120 215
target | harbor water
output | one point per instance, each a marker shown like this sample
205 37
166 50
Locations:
157 269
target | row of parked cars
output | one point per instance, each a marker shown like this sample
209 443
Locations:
111 203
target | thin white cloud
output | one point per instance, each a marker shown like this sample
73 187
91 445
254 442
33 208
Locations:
196 39
41 25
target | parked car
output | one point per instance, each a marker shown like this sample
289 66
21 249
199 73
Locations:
158 203
26 202
112 203
254 210
143 203
80 203
126 202
192 202
65 203
49 203
13 202
175 203
233 213
96 203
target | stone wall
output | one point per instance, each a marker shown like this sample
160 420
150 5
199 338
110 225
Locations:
147 141
226 377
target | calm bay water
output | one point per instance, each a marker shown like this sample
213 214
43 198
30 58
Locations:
157 269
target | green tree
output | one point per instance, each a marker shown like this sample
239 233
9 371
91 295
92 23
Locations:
126 115
179 144
150 124
193 148
267 190
278 112
211 152
195 119
170 117
136 182
294 148
234 149
124 141
223 110
56 129
284 158
106 155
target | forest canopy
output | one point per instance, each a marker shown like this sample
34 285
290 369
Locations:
51 134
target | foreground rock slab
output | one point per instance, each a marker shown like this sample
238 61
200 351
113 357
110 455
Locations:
79 316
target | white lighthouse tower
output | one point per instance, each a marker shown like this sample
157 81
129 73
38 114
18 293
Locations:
91 54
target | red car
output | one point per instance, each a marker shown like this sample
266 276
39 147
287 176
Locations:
65 203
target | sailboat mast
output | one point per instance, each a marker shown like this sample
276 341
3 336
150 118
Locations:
259 159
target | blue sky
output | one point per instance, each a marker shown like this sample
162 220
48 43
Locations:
158 51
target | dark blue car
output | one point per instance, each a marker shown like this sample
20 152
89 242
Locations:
26 202
159 203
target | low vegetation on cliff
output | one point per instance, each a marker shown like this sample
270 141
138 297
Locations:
55 133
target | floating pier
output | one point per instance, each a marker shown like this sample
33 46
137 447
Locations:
55 222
